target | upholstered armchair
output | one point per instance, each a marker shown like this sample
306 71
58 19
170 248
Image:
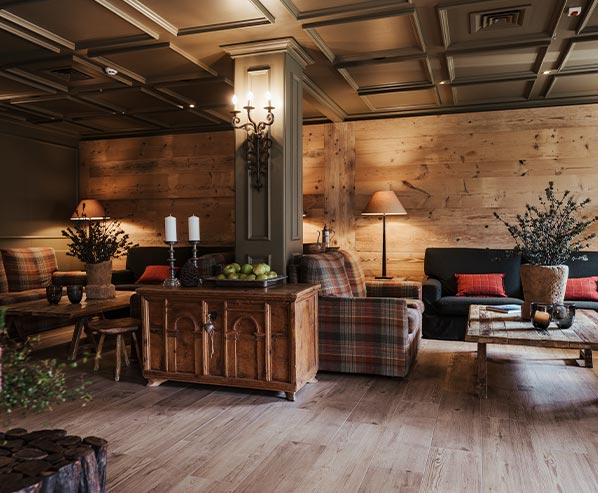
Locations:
372 327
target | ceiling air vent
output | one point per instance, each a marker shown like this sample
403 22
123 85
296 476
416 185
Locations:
69 74
497 19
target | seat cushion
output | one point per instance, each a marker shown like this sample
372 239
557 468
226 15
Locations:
29 268
355 274
328 270
414 319
459 305
3 278
584 305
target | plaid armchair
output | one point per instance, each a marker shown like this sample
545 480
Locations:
372 327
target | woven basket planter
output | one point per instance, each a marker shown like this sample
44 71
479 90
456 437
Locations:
542 284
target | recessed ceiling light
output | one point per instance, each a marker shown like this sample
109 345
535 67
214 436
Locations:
547 72
191 105
110 71
443 82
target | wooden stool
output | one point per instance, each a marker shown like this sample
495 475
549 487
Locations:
117 327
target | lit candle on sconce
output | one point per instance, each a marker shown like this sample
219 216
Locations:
170 229
249 98
235 101
193 228
269 98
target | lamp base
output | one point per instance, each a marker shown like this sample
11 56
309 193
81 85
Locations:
383 277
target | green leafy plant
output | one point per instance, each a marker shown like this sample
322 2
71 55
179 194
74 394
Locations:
31 385
550 233
93 242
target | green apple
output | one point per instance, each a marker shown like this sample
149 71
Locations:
259 269
262 277
267 268
272 274
221 276
237 267
232 275
242 276
247 268
229 269
251 277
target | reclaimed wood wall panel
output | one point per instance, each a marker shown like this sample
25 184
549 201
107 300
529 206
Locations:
451 173
142 180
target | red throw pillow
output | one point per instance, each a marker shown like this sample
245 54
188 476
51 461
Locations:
153 274
582 288
481 285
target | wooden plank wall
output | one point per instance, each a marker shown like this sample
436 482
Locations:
451 173
141 180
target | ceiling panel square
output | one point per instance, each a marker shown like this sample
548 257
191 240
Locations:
16 49
203 93
117 124
400 72
581 55
68 127
497 21
11 89
64 107
366 36
181 118
402 99
178 16
77 21
303 9
159 62
574 85
492 92
508 62
131 100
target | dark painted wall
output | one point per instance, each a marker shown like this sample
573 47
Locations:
38 191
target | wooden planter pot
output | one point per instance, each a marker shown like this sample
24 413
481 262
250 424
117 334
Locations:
98 285
542 284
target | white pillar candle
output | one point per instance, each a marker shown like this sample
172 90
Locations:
194 228
170 228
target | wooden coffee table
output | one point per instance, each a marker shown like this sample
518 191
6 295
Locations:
487 327
78 313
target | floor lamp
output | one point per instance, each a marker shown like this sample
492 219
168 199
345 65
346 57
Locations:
384 203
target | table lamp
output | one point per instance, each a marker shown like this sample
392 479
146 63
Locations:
384 203
89 210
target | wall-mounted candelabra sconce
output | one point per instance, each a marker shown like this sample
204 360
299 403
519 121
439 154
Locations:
258 141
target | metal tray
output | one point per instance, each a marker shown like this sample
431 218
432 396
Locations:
243 283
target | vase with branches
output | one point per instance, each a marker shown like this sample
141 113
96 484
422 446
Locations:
546 236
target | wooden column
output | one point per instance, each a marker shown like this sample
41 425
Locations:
339 183
268 222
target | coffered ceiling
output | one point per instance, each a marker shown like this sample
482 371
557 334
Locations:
373 58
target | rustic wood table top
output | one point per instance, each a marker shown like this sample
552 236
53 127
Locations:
485 326
67 310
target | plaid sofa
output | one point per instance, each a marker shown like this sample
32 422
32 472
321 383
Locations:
364 327
24 275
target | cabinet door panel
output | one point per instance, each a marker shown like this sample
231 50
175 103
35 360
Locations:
184 331
245 341
155 338
280 347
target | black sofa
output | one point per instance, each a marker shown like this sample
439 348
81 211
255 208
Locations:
445 314
138 258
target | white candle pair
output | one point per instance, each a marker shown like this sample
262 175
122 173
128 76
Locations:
170 228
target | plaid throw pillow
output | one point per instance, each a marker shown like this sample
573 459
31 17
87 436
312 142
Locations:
328 270
582 288
481 285
3 279
29 268
355 274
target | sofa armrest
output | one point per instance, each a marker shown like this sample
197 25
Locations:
394 289
123 276
368 318
431 291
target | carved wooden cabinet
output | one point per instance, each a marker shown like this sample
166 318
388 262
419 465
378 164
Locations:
262 338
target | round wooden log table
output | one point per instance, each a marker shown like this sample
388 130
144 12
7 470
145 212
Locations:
51 461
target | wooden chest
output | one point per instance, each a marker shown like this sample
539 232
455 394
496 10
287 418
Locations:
262 338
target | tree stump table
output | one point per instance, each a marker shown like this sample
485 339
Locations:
51 461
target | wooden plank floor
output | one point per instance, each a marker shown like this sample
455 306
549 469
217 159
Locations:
537 431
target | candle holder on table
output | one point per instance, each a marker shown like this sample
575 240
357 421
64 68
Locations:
194 256
172 281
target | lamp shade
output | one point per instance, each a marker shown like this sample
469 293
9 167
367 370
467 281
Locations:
384 203
89 209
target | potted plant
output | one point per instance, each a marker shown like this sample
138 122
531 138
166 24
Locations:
96 243
31 385
546 236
